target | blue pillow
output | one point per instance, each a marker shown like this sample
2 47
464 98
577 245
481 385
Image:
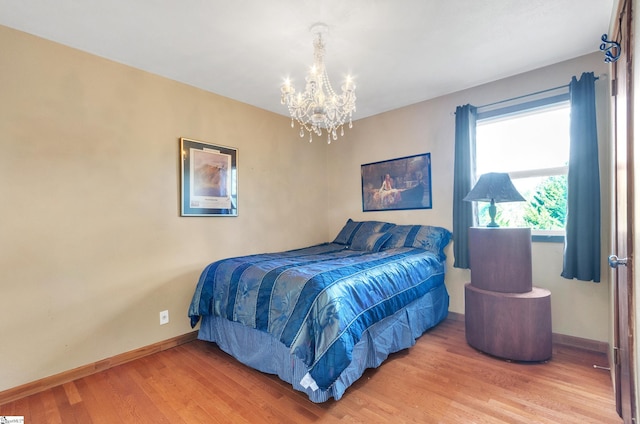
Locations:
427 237
361 229
372 242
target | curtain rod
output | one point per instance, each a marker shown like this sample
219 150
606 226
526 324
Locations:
526 95
523 96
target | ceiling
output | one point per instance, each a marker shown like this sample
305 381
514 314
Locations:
400 52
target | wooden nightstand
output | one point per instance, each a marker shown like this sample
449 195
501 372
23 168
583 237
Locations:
505 315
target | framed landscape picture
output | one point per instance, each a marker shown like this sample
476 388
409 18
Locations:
403 183
209 174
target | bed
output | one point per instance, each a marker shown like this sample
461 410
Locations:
319 316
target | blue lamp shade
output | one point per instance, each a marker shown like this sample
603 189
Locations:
494 187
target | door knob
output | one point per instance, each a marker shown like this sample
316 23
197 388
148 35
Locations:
614 261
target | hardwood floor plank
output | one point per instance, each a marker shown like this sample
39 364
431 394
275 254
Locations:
96 395
192 390
439 380
61 402
37 408
167 403
71 391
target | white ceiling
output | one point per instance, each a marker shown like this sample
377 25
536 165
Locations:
399 51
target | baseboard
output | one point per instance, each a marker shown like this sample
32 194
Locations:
37 386
579 342
454 316
559 339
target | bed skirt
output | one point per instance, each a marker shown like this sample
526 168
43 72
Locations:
263 352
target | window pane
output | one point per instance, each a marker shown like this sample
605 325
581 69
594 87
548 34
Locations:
525 141
544 207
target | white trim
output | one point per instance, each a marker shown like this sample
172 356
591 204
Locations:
543 172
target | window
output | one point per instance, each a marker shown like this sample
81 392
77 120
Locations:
530 142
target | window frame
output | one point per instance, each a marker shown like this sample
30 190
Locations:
558 97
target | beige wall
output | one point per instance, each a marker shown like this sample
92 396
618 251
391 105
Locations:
92 246
579 309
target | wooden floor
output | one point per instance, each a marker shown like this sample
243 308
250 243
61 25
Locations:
439 380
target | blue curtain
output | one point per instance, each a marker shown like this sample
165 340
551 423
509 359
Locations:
582 241
463 181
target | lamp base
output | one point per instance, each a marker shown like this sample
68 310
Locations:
492 215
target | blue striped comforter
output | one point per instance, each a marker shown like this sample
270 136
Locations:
318 300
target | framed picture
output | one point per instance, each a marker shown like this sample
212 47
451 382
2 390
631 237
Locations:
209 179
403 183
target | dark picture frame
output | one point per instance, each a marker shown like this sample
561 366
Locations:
209 174
395 184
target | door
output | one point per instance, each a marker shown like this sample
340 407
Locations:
623 217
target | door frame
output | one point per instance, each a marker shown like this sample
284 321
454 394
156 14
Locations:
623 361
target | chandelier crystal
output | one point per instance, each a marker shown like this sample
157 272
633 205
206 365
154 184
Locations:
319 106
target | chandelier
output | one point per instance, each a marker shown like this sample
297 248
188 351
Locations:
319 107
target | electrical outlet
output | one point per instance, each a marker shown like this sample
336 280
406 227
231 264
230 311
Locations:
164 317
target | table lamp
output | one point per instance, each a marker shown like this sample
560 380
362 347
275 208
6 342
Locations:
494 187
